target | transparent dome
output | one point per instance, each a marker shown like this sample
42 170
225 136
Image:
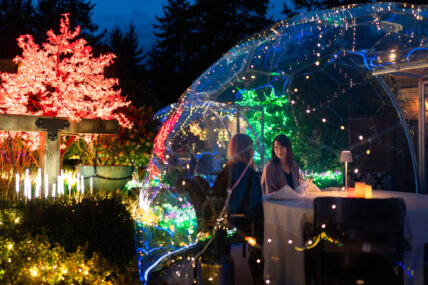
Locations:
326 79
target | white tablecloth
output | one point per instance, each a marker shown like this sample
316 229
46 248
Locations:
284 221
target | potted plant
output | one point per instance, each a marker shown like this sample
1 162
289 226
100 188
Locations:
111 159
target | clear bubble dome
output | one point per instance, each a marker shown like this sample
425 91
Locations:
324 79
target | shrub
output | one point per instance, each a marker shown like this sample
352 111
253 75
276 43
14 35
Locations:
95 235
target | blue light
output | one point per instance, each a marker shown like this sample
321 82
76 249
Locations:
146 273
198 156
285 84
412 51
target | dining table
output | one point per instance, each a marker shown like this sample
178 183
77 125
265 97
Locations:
284 259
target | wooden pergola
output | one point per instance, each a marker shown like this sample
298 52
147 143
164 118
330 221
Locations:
51 129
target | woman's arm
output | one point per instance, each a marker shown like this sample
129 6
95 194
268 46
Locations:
268 178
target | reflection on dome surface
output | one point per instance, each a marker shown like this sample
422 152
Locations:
311 77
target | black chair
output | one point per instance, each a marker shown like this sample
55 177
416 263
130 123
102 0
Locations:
361 241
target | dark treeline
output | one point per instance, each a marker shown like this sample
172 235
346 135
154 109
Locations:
190 36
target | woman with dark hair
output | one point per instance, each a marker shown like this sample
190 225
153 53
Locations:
281 170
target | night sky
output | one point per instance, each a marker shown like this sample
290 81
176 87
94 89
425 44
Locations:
110 13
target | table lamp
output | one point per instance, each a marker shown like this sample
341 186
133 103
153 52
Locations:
346 156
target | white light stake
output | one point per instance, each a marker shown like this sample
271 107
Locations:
27 184
59 185
62 183
91 185
77 183
46 186
82 184
38 183
17 186
53 191
69 181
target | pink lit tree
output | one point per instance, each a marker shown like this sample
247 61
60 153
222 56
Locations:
62 79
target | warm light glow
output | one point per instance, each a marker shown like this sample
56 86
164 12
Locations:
360 189
251 241
70 86
34 272
368 191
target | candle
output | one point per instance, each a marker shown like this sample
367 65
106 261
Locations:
368 191
360 189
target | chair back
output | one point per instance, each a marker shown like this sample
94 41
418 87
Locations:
364 239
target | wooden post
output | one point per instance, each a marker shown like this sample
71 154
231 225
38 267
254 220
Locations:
50 130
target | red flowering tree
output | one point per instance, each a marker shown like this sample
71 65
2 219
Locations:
62 79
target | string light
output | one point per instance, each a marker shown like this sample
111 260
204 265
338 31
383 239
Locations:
305 77
310 244
73 86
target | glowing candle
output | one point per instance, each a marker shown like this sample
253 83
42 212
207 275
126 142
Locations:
360 189
368 191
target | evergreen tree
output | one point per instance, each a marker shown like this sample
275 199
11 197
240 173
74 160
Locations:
130 68
16 18
223 23
192 37
287 11
170 56
48 14
309 5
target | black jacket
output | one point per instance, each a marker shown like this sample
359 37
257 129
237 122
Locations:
246 198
